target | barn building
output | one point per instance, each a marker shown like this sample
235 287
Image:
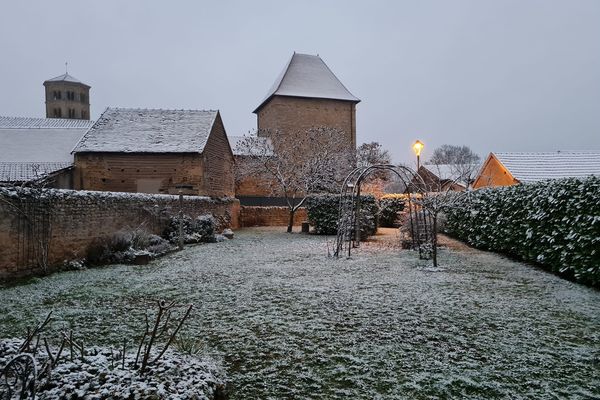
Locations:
506 169
156 151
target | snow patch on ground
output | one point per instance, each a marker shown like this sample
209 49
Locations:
288 322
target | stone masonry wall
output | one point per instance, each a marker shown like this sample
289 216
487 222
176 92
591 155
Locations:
76 218
269 216
292 115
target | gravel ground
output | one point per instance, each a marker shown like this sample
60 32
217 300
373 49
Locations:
288 322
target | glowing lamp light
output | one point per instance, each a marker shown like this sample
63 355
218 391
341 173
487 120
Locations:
418 147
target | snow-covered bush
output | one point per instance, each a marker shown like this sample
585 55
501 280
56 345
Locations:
390 205
323 214
124 246
103 374
199 230
554 223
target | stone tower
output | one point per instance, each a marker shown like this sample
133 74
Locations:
306 95
67 97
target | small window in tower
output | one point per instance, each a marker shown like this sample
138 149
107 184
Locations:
82 97
71 113
57 113
83 114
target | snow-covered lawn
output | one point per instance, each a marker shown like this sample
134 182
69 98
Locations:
287 322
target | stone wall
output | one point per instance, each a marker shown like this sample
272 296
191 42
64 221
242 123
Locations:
79 104
70 220
269 216
296 114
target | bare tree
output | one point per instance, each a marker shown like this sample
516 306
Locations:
462 162
434 202
298 165
369 154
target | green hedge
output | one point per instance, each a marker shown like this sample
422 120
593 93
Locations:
323 214
389 207
554 223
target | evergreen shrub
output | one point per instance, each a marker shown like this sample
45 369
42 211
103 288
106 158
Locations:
323 214
389 207
554 223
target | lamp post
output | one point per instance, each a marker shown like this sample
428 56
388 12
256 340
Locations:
417 148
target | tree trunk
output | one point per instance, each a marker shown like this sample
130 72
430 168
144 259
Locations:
291 221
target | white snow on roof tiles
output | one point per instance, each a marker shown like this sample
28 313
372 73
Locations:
27 171
43 123
532 167
130 130
39 140
65 78
306 75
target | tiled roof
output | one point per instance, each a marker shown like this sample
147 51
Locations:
132 130
42 123
531 167
242 150
26 171
39 140
306 75
65 78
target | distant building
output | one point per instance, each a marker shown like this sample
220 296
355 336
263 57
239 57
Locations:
439 178
306 95
156 151
67 97
35 149
505 169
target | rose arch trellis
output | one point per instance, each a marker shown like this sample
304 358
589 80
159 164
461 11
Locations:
349 211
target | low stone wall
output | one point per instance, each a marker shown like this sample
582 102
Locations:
59 225
269 216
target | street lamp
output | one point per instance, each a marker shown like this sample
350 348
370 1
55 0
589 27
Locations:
417 148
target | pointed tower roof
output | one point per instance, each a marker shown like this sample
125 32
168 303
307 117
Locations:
66 78
306 75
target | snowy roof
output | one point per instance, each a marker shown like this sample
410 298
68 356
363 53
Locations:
132 130
66 78
306 75
531 167
238 149
39 140
27 171
42 123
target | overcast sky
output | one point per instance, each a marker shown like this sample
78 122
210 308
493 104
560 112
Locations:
496 75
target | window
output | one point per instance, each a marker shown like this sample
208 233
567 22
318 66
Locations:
82 97
71 113
57 113
71 96
56 94
83 114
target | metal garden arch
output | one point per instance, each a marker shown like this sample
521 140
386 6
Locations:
348 233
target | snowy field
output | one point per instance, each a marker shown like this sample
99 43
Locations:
287 322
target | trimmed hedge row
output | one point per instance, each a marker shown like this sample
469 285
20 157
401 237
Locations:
389 207
554 223
323 210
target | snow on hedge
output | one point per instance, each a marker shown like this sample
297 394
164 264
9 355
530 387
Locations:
100 375
555 223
